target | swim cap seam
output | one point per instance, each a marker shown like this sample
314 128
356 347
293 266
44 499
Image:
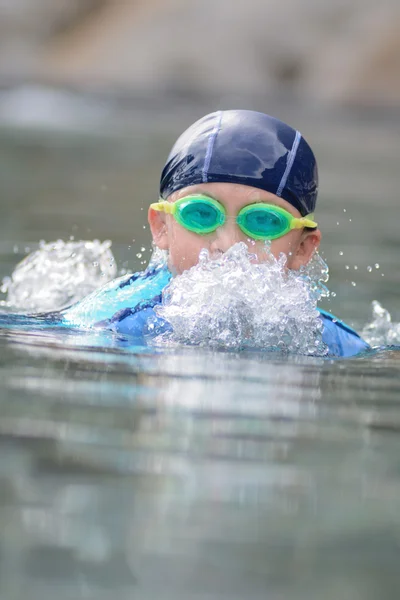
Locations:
289 164
210 147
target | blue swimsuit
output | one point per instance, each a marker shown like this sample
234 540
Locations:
136 296
341 339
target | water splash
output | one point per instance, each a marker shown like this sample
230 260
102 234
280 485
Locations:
59 274
316 274
381 331
235 302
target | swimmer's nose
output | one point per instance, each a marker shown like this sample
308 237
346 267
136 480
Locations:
225 237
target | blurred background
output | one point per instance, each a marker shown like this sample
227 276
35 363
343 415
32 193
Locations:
94 92
342 52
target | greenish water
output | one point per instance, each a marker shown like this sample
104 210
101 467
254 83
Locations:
194 474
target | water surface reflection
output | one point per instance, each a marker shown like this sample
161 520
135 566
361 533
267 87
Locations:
196 474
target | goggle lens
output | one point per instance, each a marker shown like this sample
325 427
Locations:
200 216
262 223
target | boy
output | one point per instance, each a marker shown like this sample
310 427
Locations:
234 176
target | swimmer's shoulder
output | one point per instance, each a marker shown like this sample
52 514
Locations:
148 287
338 322
341 339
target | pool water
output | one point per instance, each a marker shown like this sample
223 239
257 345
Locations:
185 472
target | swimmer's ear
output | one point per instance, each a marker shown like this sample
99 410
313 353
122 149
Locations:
158 228
309 243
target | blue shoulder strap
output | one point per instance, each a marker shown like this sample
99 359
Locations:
124 313
124 293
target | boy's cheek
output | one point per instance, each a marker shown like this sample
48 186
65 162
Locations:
179 263
184 251
289 245
284 244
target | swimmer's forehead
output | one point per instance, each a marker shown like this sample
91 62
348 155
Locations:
233 195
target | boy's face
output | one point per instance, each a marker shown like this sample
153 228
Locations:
184 246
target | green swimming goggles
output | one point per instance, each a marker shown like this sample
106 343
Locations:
260 221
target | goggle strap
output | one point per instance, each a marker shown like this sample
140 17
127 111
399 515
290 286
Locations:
164 206
308 221
304 222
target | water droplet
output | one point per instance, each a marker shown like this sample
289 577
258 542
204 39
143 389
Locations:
355 267
344 210
144 226
143 249
376 265
369 268
139 255
333 294
353 283
347 267
349 220
15 249
337 222
341 253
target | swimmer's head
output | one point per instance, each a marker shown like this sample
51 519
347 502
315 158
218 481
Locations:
238 157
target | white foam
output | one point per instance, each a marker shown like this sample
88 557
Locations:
59 274
233 301
381 331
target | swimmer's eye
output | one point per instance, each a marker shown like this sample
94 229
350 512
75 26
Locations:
264 223
199 216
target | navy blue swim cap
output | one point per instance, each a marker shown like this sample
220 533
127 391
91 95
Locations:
247 147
